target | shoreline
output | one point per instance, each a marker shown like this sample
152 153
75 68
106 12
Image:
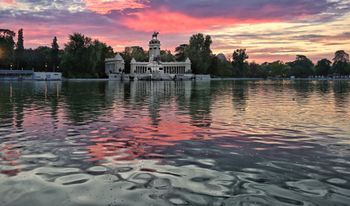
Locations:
212 79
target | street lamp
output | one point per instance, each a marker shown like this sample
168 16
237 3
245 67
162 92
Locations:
11 66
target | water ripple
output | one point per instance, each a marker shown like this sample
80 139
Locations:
175 143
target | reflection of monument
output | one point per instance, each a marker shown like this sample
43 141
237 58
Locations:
154 69
158 94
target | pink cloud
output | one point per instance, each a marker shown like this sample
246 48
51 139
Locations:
9 1
167 21
104 7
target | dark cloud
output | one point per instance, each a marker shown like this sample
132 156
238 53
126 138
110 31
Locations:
39 5
280 9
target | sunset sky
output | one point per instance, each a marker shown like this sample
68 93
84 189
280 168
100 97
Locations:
268 29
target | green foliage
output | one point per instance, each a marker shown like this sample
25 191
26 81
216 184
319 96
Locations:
239 63
340 68
256 71
38 59
135 52
7 45
276 69
302 67
323 67
181 52
340 63
19 50
347 69
166 56
199 52
220 67
341 56
82 55
55 54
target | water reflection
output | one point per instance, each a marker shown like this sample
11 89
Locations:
175 143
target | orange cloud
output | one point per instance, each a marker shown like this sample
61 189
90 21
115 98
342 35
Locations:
167 21
104 7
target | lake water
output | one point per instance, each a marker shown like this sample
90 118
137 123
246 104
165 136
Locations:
218 143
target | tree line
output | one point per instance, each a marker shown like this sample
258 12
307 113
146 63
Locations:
83 56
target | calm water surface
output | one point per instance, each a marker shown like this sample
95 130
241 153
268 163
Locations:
175 143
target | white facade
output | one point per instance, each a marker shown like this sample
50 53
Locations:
155 65
154 69
47 76
114 65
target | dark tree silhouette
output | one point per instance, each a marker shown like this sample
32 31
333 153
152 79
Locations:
19 49
239 58
323 67
54 54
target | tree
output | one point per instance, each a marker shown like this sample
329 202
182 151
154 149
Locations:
276 69
340 62
166 56
7 45
199 52
136 52
219 66
301 67
139 54
341 56
38 59
239 63
100 52
84 57
181 52
54 54
323 67
19 49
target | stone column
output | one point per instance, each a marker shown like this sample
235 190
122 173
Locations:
132 66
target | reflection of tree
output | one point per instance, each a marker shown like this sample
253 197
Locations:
303 90
84 100
341 90
240 95
15 97
323 87
200 104
183 94
6 103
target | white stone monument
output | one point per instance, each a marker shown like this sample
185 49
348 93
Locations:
154 69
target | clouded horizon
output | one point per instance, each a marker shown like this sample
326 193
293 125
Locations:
268 29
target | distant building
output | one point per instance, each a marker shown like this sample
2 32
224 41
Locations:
221 57
154 69
6 74
115 67
29 75
47 76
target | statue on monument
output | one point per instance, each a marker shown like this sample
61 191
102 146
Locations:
155 35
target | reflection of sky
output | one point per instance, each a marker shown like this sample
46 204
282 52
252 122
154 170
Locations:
107 123
201 143
269 29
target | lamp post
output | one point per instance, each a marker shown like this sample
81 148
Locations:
11 67
46 67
